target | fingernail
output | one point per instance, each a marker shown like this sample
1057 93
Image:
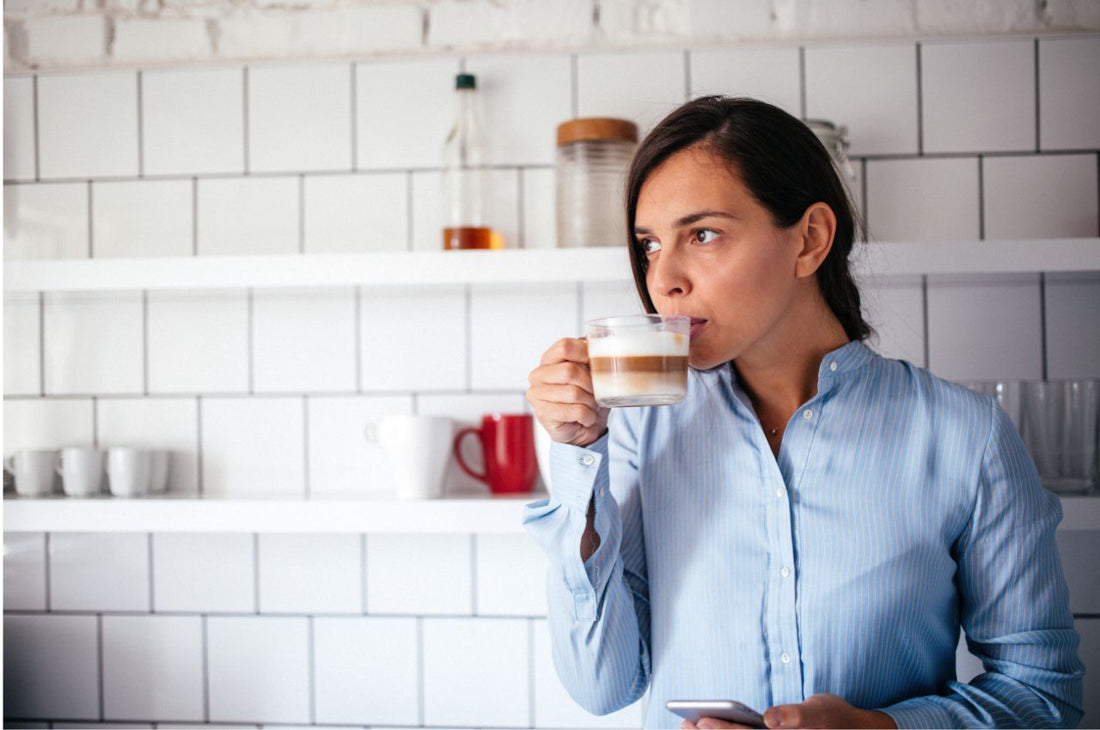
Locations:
773 718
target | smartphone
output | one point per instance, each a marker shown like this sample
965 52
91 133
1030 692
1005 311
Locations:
727 710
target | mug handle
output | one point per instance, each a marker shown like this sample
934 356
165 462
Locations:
458 454
57 465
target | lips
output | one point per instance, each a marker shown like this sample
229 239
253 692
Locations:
697 325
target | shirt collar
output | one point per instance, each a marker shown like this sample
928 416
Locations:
844 360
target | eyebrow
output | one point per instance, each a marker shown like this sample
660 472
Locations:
691 218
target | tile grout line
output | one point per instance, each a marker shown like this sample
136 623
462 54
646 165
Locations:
99 662
920 100
42 344
91 223
251 342
152 575
981 198
46 572
194 215
198 445
354 116
521 222
802 81
34 104
926 327
244 108
1038 106
140 127
1043 322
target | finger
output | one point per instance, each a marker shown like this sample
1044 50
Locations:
711 723
562 373
570 349
557 414
571 393
687 725
785 716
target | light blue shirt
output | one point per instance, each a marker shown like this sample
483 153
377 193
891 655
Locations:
900 507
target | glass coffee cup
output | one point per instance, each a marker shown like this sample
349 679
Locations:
639 359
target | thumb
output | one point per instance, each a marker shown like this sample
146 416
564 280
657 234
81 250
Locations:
782 716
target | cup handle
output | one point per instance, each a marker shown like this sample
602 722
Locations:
57 465
458 454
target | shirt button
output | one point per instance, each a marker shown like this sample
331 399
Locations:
785 571
785 658
808 413
779 492
588 460
832 367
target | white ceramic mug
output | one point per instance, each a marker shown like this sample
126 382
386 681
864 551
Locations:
81 470
33 471
418 448
129 471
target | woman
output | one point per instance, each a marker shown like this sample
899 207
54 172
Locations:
807 532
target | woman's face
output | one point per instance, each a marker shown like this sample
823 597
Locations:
715 254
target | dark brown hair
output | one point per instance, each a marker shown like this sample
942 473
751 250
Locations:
782 163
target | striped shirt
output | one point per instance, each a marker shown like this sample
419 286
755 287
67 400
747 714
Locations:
900 508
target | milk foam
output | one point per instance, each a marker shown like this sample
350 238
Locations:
640 343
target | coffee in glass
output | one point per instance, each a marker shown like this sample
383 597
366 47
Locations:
639 360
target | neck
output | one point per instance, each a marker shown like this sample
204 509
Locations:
779 372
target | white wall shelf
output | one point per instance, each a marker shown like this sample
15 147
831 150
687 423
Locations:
440 268
211 514
180 514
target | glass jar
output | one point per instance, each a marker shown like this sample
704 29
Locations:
592 160
835 139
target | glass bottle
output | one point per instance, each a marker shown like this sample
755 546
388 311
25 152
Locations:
464 175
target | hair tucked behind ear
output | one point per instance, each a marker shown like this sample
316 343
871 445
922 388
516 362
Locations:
780 161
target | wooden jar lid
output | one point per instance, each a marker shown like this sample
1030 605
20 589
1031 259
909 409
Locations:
596 128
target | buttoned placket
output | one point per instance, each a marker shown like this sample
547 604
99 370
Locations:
781 600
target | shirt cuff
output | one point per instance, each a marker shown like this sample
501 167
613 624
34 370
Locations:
577 471
920 712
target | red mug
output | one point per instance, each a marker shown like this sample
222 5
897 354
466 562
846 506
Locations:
508 445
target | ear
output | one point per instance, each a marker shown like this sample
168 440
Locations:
817 228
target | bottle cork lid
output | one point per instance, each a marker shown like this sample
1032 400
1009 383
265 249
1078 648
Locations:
596 128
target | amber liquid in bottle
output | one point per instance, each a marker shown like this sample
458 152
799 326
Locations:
466 237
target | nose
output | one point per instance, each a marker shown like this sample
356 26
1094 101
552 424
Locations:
666 278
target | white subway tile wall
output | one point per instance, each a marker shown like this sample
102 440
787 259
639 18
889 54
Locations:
193 121
769 74
870 89
88 125
142 218
260 393
19 143
153 667
46 221
22 345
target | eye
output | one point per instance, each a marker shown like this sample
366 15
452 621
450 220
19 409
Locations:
649 245
704 235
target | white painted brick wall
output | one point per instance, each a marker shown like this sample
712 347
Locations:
159 41
70 33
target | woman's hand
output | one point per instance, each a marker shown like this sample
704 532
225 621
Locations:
820 711
561 394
